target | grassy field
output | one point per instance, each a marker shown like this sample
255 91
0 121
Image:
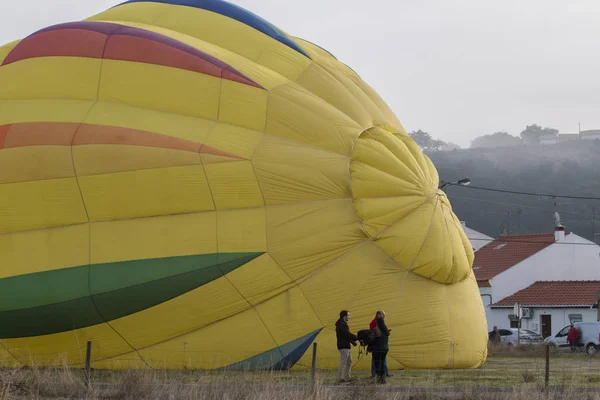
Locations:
515 373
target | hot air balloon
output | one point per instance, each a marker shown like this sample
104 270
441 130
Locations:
185 185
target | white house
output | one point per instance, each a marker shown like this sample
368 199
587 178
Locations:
590 135
549 306
515 262
477 239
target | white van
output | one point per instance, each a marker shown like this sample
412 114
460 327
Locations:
589 336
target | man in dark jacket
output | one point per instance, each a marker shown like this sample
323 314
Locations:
344 339
381 347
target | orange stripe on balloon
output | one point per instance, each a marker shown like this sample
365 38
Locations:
65 134
102 134
3 132
40 133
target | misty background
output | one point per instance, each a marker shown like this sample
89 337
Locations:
464 73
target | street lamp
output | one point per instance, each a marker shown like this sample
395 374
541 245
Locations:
462 182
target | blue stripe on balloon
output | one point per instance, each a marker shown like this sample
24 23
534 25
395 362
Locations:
234 12
280 358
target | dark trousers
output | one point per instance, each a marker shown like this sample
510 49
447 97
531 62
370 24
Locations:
379 357
374 370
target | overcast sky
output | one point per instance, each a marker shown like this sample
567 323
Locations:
455 68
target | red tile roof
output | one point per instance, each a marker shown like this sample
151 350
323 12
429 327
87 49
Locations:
507 251
555 293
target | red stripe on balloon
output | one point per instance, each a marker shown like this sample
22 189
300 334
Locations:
136 49
117 42
66 43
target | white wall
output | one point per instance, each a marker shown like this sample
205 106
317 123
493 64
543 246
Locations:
590 137
573 258
559 317
477 239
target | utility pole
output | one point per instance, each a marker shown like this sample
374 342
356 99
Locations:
594 224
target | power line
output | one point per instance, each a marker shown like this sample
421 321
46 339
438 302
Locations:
519 205
527 193
508 240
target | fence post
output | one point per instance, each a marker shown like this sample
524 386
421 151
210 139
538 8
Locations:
313 372
88 358
547 377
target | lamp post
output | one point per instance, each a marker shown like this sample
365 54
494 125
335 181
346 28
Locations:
462 182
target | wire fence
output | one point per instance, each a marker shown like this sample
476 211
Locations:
505 365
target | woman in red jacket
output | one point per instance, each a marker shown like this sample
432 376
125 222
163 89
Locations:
373 325
572 337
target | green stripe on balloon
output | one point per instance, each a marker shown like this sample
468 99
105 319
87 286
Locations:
62 300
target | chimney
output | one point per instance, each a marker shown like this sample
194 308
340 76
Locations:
559 229
559 233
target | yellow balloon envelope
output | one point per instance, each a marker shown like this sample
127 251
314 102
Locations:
186 186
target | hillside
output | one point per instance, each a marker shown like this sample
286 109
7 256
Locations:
565 169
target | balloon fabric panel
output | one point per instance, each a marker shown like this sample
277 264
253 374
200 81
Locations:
186 185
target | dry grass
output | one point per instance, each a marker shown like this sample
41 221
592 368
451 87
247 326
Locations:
516 373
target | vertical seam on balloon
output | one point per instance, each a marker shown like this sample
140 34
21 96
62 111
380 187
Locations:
351 95
451 248
362 222
90 235
313 95
247 301
322 99
220 95
217 239
85 207
264 207
451 356
359 89
412 263
409 269
296 283
102 66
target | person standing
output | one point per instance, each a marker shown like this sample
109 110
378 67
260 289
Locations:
345 338
495 336
372 326
381 347
572 337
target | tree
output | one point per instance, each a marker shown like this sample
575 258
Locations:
532 133
451 147
426 142
498 139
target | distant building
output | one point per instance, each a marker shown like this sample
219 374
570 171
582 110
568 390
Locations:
567 137
513 263
590 135
549 306
562 138
548 139
477 239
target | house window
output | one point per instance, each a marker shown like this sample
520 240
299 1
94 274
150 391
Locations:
514 321
575 318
